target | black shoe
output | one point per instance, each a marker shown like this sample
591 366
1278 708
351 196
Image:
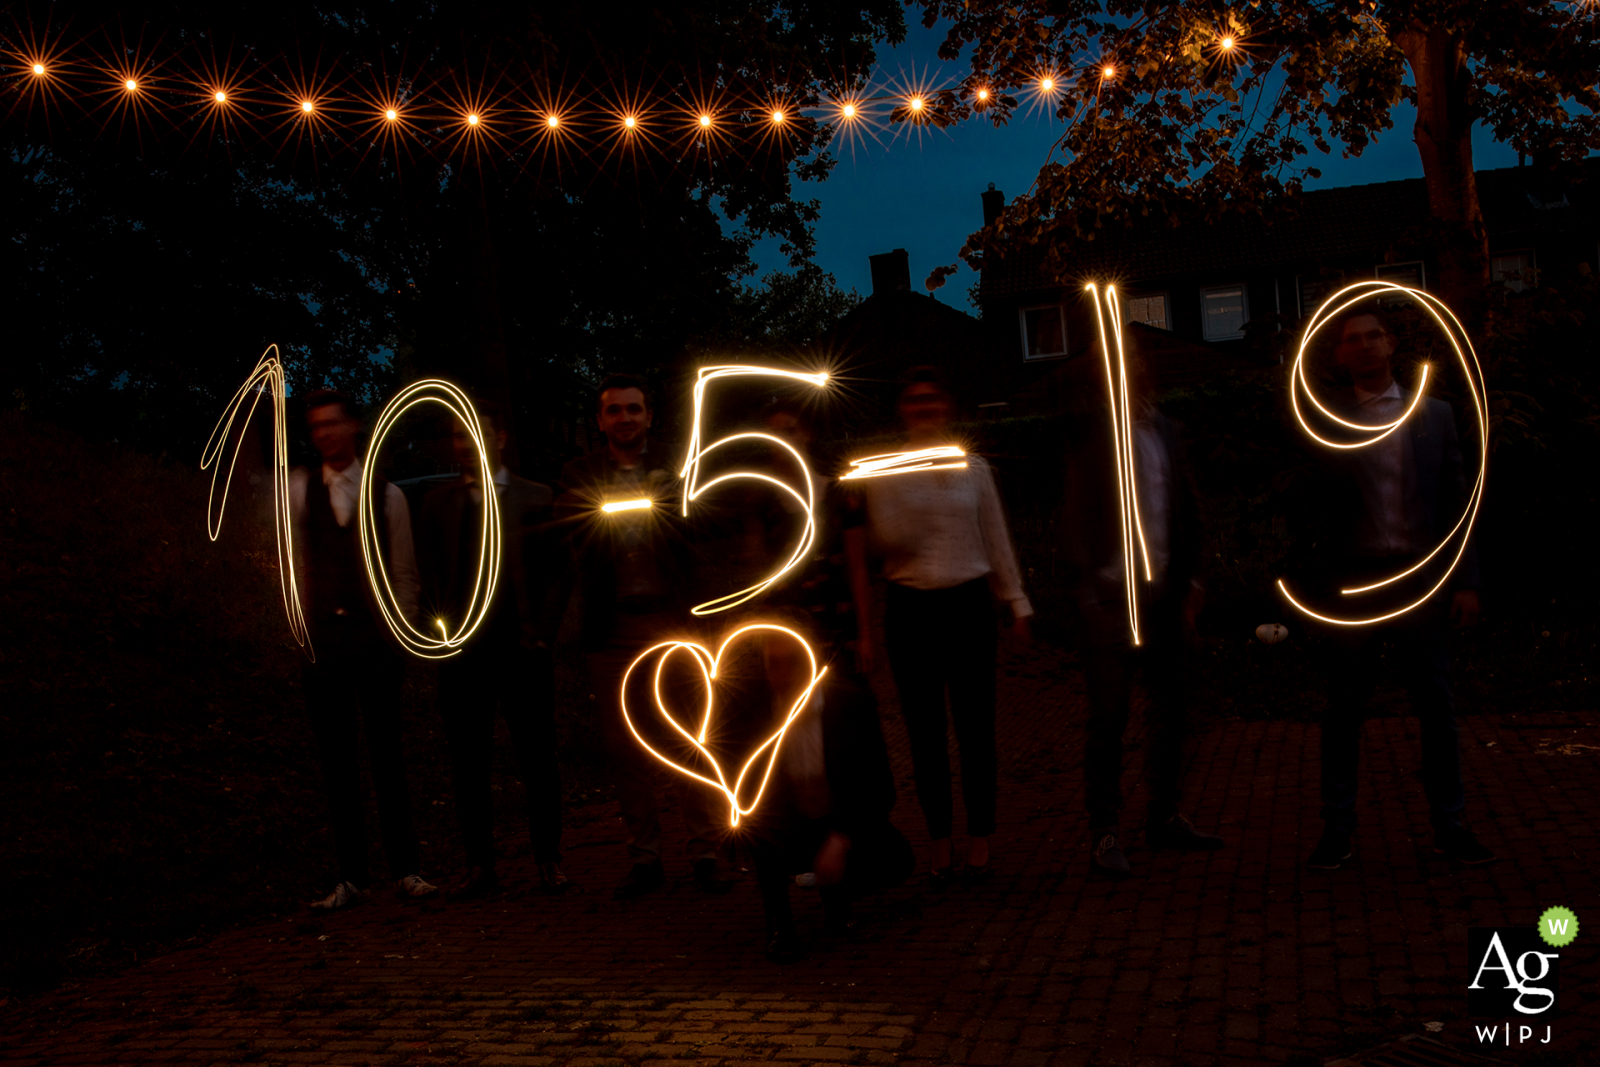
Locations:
1179 834
1463 846
552 879
1331 851
708 878
479 883
1107 859
644 878
783 946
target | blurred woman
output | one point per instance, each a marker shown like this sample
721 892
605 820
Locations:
947 555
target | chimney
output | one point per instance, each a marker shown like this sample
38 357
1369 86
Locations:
994 202
891 272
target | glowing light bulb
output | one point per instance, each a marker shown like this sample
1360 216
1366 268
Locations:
131 85
220 97
472 120
705 121
1047 84
629 121
552 121
391 114
848 111
307 107
1108 71
983 94
1227 44
916 103
777 118
38 68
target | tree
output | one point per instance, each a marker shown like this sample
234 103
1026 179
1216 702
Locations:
1206 109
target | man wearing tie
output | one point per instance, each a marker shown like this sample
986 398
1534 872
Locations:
1389 503
506 667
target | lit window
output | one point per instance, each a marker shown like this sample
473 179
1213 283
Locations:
1513 269
1044 332
1225 312
1150 309
1411 274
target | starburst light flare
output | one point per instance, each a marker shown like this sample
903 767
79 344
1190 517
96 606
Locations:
1460 535
693 490
267 379
485 579
613 506
708 665
1130 527
923 459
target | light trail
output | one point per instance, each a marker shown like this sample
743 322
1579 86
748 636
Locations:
1130 526
1460 535
693 489
643 504
268 378
708 665
487 575
922 459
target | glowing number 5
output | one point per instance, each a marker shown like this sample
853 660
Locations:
1460 535
693 489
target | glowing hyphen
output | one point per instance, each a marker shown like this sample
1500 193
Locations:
693 489
448 641
1460 535
1130 526
266 379
708 665
923 459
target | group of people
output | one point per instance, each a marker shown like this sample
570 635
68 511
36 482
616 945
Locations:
938 540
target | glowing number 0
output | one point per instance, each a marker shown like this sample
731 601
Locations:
1460 535
487 577
267 377
693 490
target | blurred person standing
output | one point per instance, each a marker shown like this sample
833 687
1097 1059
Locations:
1386 504
1168 603
355 679
634 569
948 557
506 667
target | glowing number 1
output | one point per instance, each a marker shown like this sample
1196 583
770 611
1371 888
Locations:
693 489
1130 526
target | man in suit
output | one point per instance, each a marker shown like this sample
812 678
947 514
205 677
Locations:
1169 509
634 573
1388 504
507 665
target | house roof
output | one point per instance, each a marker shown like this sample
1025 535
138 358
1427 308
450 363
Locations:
1331 225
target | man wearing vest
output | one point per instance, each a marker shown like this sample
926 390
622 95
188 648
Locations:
355 679
507 665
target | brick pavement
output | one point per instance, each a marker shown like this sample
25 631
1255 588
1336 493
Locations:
1236 957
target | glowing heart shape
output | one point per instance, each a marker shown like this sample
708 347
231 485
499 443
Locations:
708 665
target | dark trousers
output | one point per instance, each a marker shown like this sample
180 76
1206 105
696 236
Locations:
1351 660
879 858
1109 660
504 678
355 683
942 640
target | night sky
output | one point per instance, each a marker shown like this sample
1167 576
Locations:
918 189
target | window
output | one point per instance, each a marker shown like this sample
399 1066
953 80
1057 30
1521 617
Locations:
1150 309
1410 274
1514 269
1313 291
1044 332
1225 311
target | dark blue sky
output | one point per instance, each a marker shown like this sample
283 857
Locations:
918 189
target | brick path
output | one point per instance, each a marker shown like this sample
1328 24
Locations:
1233 957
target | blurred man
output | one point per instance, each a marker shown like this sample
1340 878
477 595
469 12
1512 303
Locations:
1390 502
506 667
1169 511
355 680
634 571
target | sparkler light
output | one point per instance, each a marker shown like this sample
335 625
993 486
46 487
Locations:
1460 535
705 121
307 106
266 379
708 665
391 114
1226 44
904 462
487 576
983 96
693 490
38 68
1047 84
220 97
1130 527
131 85
614 506
778 118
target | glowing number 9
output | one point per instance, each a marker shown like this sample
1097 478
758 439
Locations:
693 490
267 377
419 642
1460 535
